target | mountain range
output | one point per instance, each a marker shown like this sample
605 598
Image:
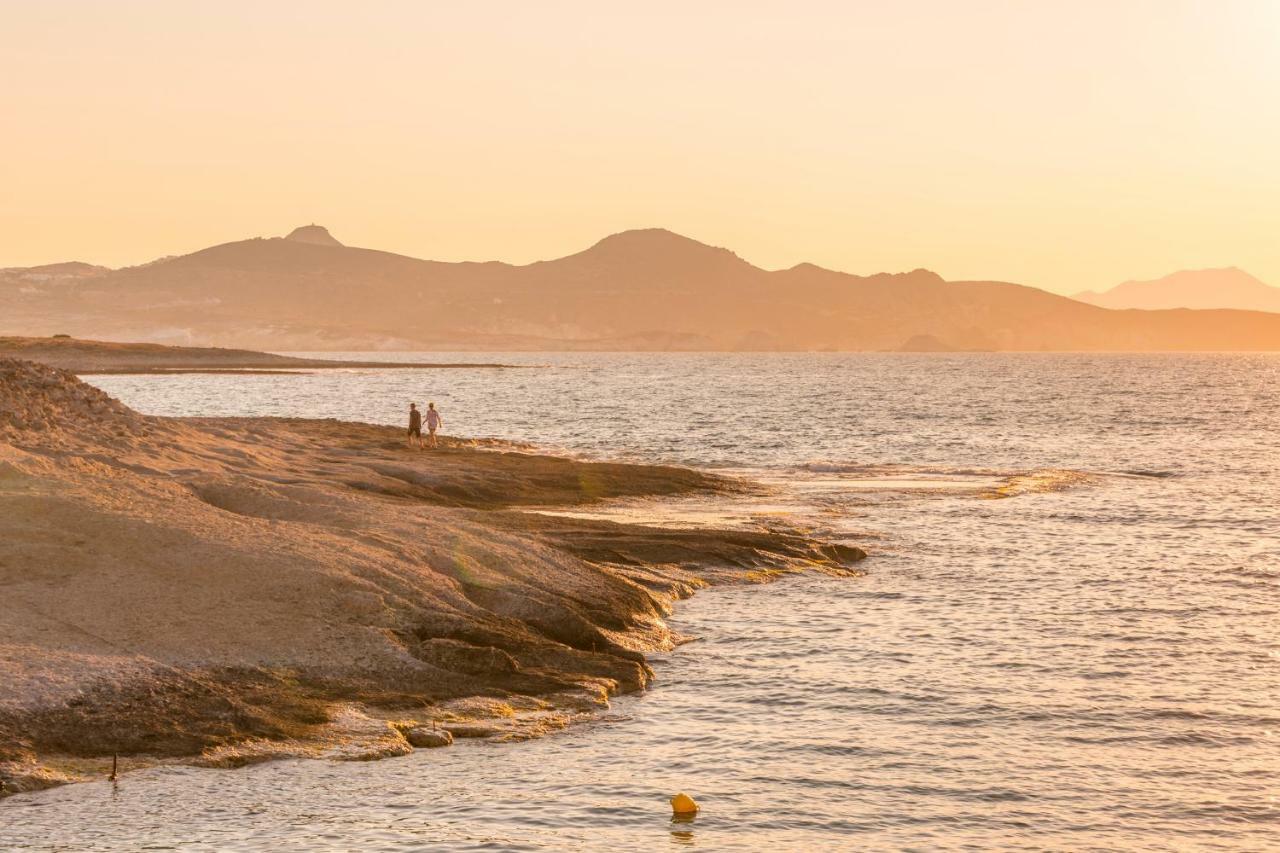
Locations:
638 290
1228 287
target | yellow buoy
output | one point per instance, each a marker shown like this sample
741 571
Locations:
683 804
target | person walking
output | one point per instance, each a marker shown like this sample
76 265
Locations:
434 422
415 425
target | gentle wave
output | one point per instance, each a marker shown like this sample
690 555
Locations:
1089 663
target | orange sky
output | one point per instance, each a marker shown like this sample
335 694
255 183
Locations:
1068 145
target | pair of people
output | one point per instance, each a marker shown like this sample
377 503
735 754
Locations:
434 422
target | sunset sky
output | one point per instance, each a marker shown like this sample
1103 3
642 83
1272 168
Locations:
1067 145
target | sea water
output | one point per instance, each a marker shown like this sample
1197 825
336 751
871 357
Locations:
1066 637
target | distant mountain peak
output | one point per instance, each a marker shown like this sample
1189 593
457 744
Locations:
805 266
645 235
1232 273
1217 287
925 271
317 235
639 240
657 252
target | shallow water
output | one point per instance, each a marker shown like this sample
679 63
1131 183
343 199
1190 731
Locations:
1066 638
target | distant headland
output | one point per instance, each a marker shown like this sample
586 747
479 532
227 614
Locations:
89 357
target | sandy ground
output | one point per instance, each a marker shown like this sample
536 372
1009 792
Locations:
222 591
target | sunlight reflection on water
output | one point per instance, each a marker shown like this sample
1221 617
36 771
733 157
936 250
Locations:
1088 662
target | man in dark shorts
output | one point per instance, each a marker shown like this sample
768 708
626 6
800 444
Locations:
415 425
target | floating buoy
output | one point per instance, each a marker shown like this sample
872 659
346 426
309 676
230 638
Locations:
683 804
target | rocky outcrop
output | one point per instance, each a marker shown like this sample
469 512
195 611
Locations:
44 404
422 737
227 590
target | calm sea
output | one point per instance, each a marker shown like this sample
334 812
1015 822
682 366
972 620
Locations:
1066 639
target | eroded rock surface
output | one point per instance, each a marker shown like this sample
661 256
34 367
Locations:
223 591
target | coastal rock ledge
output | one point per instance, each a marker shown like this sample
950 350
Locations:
223 591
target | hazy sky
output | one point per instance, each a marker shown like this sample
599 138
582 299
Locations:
1066 145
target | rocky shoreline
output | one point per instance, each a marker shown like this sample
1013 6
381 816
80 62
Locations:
225 591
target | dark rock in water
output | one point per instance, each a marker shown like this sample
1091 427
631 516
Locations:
425 738
471 731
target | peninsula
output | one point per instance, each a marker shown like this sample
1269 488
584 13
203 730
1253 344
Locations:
86 357
225 591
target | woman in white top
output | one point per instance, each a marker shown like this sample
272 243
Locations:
434 422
